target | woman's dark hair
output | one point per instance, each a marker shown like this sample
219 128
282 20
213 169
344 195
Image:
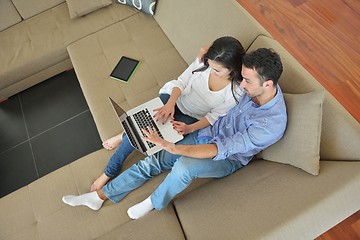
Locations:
228 52
266 62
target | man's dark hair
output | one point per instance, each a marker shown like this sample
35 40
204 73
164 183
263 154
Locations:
266 62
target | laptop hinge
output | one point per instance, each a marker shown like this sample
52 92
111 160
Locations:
138 139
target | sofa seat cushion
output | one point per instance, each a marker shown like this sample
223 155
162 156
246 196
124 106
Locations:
33 207
267 200
156 225
8 14
37 208
59 221
94 57
40 42
36 211
30 8
20 217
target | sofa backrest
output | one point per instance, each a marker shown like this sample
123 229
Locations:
191 24
340 134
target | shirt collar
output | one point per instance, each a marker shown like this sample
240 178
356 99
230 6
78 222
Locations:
273 101
269 104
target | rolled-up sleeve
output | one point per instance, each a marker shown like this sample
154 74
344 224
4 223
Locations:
257 137
238 143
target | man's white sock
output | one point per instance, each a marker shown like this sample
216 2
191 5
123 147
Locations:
140 209
91 200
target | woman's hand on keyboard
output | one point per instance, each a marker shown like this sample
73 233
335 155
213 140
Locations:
165 112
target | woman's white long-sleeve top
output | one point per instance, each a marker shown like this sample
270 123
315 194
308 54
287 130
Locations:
196 99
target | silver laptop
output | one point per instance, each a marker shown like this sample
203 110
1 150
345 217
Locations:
139 118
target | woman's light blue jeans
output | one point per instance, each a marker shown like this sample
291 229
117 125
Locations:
183 171
125 148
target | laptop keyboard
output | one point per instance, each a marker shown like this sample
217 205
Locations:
131 138
144 119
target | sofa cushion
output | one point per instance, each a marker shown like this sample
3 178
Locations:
147 6
340 134
39 43
8 14
95 56
78 8
267 200
37 212
18 211
300 145
30 8
155 225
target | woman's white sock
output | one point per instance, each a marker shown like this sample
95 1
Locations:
91 200
140 209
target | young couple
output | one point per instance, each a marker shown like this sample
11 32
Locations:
223 128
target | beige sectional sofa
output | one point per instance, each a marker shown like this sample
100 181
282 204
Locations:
34 36
292 196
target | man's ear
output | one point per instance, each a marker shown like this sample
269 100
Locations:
268 83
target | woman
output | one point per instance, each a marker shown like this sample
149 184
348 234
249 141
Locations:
206 90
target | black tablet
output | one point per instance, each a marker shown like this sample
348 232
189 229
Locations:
125 69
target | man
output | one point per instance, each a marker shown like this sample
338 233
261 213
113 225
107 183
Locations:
256 122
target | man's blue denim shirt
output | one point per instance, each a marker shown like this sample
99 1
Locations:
247 128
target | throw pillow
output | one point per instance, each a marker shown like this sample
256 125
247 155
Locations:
78 8
146 6
300 145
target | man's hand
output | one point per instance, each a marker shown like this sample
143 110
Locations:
153 137
195 151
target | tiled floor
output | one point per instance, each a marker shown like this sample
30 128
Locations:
42 129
